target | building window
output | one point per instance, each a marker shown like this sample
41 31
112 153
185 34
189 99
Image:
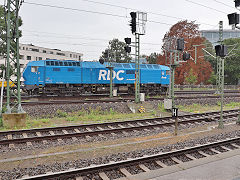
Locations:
23 48
51 52
29 57
39 58
44 51
21 56
79 58
34 68
35 50
60 54
70 55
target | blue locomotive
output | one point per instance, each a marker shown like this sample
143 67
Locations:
74 77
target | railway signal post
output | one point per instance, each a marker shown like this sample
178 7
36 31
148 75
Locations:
221 52
138 24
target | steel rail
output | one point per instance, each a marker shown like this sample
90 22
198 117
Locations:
196 117
129 162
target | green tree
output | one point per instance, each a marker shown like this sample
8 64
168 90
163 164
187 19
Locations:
117 52
3 36
191 78
232 61
212 79
209 58
152 58
3 29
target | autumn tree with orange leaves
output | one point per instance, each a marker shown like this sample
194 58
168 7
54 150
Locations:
189 31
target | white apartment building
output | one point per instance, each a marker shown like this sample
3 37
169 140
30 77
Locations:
30 52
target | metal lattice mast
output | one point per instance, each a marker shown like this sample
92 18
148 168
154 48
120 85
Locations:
137 67
219 63
221 75
13 53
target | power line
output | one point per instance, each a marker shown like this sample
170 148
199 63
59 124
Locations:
78 44
149 12
74 9
223 4
206 6
63 36
97 12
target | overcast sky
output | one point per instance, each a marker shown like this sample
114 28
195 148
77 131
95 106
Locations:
76 29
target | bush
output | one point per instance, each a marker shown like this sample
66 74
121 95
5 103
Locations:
60 113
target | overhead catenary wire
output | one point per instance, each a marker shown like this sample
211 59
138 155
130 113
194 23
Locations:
108 14
88 11
206 6
64 36
224 4
149 12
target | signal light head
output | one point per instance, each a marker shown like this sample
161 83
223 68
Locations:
221 50
133 23
180 44
133 15
186 56
127 40
127 49
233 19
105 54
237 3
101 60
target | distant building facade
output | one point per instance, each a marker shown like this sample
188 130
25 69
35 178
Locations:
213 35
30 52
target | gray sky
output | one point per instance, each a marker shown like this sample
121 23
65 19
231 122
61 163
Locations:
89 33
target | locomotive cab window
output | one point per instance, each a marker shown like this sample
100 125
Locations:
34 68
69 64
65 64
60 63
78 63
48 63
52 63
74 63
56 63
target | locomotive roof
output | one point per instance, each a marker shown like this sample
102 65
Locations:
91 64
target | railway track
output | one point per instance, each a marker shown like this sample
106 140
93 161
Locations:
113 100
74 133
129 167
122 95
